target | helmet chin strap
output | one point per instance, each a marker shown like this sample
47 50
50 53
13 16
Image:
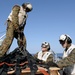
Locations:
68 46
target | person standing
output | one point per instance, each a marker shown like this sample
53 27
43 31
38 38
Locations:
15 26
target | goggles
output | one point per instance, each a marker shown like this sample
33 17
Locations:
62 42
44 46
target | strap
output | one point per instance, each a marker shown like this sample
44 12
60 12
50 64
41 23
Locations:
17 67
18 70
31 63
44 72
11 65
3 70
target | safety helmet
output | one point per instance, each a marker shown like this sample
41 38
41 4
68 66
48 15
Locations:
45 45
64 38
27 6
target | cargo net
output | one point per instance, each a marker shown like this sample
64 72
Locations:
16 61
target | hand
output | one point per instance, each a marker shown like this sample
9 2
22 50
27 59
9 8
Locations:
54 72
52 64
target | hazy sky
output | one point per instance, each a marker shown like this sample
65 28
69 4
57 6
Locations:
46 22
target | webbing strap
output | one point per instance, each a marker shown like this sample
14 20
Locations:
44 72
3 70
10 65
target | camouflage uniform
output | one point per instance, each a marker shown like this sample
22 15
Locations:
67 62
14 30
49 59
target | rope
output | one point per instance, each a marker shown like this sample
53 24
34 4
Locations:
42 70
10 65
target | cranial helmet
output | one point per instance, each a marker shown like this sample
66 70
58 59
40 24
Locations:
27 6
64 38
45 45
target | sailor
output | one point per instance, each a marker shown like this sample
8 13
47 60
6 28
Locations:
15 26
67 63
46 54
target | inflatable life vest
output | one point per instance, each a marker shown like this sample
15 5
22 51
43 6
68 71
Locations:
22 16
45 56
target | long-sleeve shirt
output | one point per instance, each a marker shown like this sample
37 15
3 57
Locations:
68 62
50 56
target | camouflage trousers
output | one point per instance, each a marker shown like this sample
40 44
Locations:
10 35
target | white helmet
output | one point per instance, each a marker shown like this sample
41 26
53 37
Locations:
64 38
46 45
27 6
